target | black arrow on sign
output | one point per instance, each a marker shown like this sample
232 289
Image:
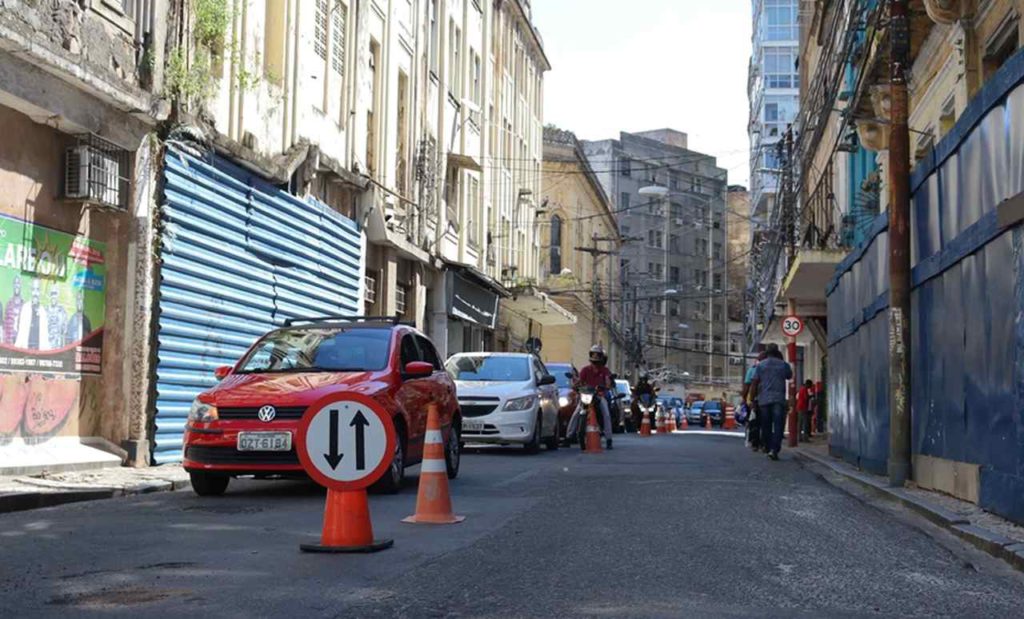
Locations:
359 423
334 458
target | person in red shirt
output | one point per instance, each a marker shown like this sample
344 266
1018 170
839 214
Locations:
803 408
599 377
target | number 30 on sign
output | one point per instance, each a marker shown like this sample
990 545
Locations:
792 326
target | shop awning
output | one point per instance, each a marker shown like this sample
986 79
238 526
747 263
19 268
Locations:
540 308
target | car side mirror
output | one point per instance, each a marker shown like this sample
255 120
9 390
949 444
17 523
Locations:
417 369
222 372
547 379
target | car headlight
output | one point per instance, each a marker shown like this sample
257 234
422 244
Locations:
202 412
586 398
563 401
520 404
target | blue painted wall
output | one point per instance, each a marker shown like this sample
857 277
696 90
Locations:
967 309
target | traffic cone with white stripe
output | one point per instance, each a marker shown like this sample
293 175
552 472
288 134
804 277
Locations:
593 432
433 502
683 423
660 422
645 423
707 422
671 421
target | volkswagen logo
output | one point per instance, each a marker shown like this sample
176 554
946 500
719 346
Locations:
267 413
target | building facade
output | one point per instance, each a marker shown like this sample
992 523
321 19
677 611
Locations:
215 168
80 98
773 88
579 264
670 205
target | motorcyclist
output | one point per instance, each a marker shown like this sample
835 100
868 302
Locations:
643 393
597 376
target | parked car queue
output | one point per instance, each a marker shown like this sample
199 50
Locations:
245 425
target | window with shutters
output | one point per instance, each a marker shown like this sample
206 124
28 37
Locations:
320 32
339 18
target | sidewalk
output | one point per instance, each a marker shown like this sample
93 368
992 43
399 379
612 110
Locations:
46 490
992 534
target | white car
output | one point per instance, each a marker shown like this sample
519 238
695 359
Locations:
506 399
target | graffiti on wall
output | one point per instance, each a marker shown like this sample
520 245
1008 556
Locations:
52 300
34 405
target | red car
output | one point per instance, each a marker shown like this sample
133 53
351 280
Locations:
246 425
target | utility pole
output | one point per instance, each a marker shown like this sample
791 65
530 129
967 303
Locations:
595 255
899 246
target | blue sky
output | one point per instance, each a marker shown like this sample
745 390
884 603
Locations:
633 65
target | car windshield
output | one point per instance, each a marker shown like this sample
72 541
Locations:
489 368
319 350
622 386
560 373
713 406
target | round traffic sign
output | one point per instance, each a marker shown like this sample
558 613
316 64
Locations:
792 326
346 441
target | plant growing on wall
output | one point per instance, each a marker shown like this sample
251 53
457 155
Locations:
203 45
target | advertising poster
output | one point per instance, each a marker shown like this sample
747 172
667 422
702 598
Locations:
52 300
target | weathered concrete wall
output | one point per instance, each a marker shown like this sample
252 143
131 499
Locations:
90 34
30 183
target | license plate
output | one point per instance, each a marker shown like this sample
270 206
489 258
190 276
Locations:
472 426
264 441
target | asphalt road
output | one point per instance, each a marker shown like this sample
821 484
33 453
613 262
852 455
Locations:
681 526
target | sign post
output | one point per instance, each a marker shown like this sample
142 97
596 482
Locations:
346 442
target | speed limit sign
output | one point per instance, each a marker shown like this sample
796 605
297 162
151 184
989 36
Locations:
792 326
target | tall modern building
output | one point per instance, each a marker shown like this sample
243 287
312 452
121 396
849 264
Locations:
670 206
773 87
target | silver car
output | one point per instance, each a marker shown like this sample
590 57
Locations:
506 399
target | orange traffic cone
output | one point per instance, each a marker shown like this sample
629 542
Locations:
707 422
593 433
660 423
684 423
347 526
433 503
730 418
671 421
645 425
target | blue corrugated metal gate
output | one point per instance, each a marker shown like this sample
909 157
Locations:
967 346
239 256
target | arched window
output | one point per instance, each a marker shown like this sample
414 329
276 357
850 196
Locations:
556 245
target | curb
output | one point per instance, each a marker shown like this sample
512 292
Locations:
988 541
24 501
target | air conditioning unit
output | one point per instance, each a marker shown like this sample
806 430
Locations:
94 175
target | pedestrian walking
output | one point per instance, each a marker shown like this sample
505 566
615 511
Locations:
769 386
804 398
753 417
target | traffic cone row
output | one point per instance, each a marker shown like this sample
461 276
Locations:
433 502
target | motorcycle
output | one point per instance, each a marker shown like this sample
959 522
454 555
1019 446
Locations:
587 402
646 407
